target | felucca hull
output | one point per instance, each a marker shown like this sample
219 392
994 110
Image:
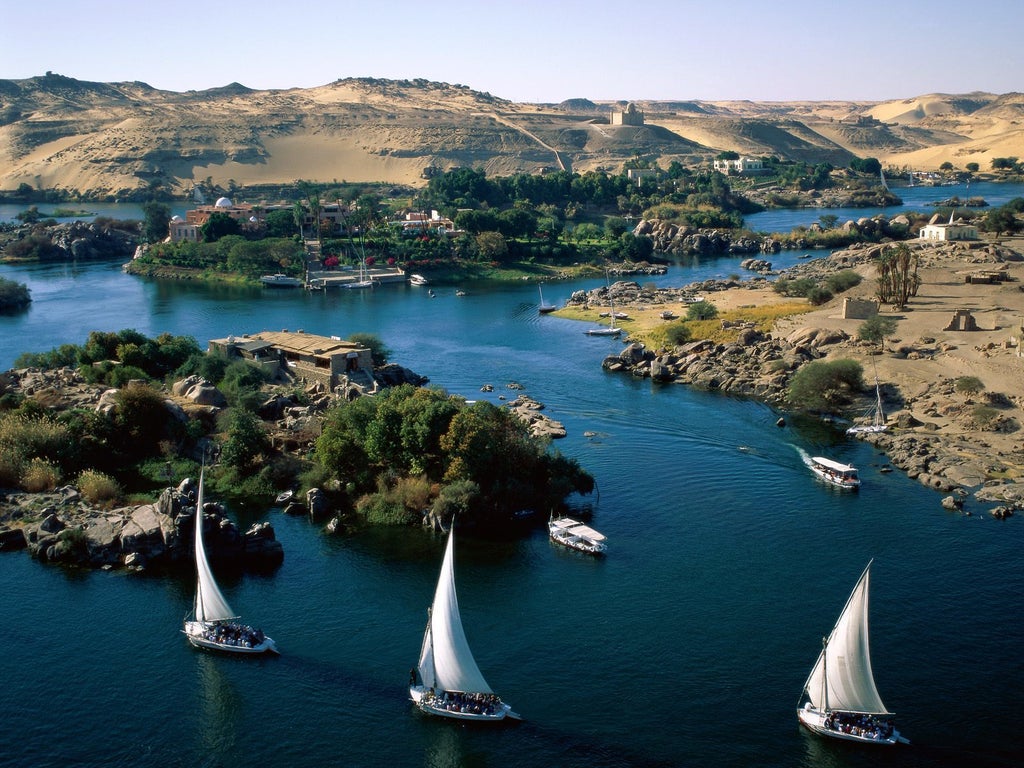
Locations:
814 720
197 636
423 700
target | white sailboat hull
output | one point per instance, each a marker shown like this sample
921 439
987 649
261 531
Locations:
197 633
814 720
867 429
431 705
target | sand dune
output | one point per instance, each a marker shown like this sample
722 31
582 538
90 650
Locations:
119 138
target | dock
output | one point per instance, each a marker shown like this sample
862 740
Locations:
337 278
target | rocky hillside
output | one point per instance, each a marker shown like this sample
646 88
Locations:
120 139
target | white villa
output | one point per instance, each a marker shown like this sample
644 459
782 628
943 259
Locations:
937 231
742 165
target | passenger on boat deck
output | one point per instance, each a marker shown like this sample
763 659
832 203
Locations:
465 703
231 633
864 726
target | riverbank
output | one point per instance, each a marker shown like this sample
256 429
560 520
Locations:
960 442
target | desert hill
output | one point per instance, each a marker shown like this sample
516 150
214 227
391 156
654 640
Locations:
123 138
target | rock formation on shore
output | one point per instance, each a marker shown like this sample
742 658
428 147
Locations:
157 535
945 440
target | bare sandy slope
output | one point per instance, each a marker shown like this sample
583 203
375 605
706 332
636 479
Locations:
122 137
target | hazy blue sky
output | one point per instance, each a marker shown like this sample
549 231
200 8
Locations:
533 50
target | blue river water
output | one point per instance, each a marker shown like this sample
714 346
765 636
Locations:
687 645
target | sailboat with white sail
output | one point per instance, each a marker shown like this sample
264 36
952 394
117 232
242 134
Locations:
842 701
214 624
451 684
364 280
544 307
611 329
874 417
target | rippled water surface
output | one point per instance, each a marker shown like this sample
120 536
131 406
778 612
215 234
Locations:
687 645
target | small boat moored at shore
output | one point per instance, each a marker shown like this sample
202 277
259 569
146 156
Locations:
575 535
281 281
834 472
417 280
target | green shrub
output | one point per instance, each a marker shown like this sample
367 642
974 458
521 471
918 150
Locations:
983 415
382 509
825 386
968 385
842 281
678 333
819 295
701 310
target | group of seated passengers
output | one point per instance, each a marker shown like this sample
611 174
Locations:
865 726
466 703
238 635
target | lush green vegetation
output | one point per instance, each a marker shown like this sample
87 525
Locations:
825 387
385 459
412 448
817 292
13 295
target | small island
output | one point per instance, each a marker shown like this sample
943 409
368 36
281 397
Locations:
100 446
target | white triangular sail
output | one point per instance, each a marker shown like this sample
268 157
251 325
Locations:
841 678
210 603
446 662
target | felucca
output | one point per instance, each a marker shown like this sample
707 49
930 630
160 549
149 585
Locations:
451 684
842 701
213 624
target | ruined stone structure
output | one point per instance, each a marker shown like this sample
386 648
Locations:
859 309
962 320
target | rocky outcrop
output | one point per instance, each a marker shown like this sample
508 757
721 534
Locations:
529 411
158 535
85 241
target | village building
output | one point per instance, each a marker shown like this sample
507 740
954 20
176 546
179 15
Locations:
331 217
937 231
637 175
326 360
740 165
417 222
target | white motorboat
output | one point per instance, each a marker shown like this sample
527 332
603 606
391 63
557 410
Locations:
451 684
417 280
575 535
213 624
842 475
840 697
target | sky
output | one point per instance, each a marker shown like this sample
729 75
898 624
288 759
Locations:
532 50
